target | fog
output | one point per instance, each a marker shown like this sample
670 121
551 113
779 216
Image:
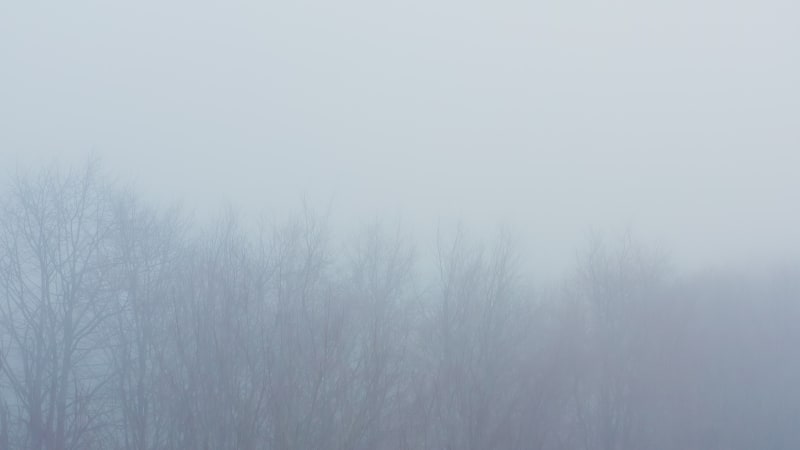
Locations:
603 150
677 119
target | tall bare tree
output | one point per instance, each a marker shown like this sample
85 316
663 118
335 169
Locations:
55 233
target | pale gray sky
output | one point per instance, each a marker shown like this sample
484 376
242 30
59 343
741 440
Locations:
677 118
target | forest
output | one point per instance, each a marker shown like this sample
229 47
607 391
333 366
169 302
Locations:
129 326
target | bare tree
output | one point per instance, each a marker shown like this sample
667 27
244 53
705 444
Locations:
477 326
147 246
55 232
618 288
123 327
379 285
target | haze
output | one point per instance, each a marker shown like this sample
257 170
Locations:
416 225
675 119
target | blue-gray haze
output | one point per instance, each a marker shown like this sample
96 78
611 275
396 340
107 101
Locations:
675 118
420 224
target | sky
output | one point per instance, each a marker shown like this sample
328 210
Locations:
676 119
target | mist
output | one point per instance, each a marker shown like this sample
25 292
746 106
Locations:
420 224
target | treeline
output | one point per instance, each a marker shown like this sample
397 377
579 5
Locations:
128 327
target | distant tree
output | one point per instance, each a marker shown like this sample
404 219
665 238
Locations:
618 287
476 335
54 232
147 246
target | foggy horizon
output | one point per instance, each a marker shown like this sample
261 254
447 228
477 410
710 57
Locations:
428 224
676 119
